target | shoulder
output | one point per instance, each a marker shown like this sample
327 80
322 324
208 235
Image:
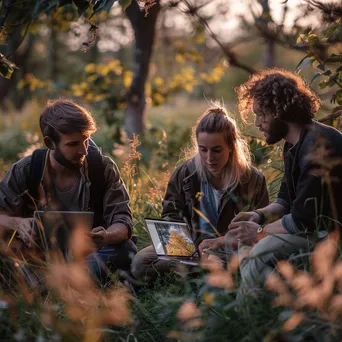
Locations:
23 165
254 175
318 130
317 136
185 169
109 165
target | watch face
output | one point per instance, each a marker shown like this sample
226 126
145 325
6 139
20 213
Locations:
259 230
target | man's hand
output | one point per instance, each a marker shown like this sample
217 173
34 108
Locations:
24 228
251 216
99 236
245 231
211 244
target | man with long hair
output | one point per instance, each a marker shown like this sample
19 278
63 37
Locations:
309 203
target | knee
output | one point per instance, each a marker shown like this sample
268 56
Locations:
142 261
263 247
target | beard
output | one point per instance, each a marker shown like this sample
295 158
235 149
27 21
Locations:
277 131
71 165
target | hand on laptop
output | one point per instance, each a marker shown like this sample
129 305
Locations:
99 236
211 244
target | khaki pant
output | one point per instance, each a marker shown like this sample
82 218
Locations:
263 258
146 265
254 269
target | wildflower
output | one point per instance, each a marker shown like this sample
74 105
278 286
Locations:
324 255
293 321
188 311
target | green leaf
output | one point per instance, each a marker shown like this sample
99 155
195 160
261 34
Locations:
6 67
103 5
313 39
304 63
330 31
319 74
43 6
338 97
125 3
323 84
334 58
82 6
322 67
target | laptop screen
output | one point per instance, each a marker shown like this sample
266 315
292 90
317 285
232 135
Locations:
170 238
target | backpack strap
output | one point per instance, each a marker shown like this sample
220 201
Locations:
96 170
35 176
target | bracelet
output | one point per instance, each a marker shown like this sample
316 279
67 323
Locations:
262 217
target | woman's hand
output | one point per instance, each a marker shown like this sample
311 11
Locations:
211 244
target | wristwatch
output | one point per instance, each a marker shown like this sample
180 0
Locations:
261 232
262 217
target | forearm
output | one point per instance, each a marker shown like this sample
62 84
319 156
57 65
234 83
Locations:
273 212
275 227
117 232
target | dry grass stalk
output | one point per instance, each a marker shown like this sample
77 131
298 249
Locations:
319 292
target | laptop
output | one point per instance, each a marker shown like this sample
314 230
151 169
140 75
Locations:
172 241
54 228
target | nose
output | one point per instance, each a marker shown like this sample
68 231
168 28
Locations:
257 121
84 148
210 156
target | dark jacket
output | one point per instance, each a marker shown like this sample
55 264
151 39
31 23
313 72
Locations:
310 165
181 201
14 185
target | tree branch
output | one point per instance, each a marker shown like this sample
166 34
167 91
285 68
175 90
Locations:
193 11
5 12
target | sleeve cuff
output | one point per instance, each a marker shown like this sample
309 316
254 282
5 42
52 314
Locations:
289 224
283 203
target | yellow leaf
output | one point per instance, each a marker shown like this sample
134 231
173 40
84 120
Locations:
90 68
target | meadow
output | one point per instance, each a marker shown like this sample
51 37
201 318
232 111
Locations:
301 303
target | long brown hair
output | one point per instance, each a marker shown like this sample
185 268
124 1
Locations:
216 119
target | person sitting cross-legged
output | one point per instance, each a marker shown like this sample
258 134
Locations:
207 190
309 202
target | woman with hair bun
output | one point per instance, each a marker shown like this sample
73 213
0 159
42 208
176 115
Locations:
213 184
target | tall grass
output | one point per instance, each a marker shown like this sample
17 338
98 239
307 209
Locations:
63 303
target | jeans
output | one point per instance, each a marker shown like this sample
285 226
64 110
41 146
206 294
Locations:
110 258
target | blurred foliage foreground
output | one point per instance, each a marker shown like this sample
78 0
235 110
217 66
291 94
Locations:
299 303
302 303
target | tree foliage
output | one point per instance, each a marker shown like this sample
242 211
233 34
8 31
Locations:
20 15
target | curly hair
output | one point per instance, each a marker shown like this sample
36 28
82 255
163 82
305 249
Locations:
285 94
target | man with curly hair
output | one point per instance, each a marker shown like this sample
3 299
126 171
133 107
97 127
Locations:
309 203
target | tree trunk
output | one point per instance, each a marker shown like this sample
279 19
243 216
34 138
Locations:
266 20
269 54
53 54
144 33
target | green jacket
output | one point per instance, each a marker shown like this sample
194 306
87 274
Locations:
181 201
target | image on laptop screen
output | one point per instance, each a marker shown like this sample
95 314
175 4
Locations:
170 238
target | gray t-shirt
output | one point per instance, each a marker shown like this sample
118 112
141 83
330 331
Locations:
70 200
